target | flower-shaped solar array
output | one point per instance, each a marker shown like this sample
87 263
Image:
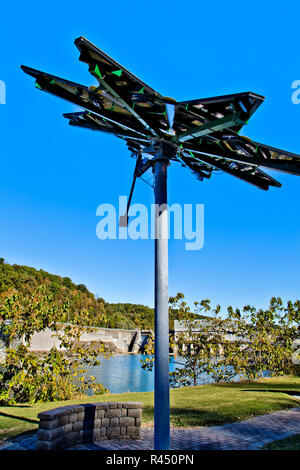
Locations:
202 134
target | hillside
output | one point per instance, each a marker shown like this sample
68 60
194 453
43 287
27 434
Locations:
101 313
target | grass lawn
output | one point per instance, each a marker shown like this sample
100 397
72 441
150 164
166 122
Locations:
289 443
205 405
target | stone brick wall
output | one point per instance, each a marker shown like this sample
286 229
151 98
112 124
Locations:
70 425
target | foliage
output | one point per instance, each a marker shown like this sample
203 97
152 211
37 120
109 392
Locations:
249 344
197 345
25 279
26 376
288 443
264 339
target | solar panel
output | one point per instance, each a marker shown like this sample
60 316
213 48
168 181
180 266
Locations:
203 135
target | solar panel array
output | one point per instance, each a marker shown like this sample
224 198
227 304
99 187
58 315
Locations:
203 135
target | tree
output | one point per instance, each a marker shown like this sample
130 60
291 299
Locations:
197 344
55 375
263 339
102 314
247 344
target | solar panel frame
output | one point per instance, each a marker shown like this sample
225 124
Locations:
124 105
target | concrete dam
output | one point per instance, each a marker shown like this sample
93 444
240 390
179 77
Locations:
118 340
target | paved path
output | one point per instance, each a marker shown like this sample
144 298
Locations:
251 434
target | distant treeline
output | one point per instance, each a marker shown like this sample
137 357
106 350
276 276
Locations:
100 313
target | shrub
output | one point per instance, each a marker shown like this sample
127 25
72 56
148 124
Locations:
59 374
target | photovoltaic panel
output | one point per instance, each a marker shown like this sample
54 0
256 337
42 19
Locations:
203 134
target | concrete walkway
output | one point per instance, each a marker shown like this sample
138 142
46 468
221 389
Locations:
251 434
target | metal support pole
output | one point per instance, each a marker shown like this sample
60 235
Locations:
161 364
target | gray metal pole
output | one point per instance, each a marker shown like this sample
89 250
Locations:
161 365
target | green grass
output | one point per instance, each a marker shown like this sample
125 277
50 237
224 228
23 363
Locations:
289 443
205 405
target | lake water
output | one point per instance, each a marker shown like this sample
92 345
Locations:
123 373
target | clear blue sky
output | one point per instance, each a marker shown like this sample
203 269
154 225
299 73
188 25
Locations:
53 176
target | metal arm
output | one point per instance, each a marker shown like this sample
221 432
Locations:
123 221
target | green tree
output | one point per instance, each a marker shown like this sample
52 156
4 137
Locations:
26 279
263 339
59 374
248 344
197 344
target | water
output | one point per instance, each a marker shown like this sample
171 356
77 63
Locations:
123 373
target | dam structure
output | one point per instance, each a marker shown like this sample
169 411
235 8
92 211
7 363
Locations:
116 339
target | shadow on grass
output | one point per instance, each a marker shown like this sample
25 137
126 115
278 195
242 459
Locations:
288 392
192 417
21 418
276 387
15 406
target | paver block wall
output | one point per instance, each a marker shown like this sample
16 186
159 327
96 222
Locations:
70 425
